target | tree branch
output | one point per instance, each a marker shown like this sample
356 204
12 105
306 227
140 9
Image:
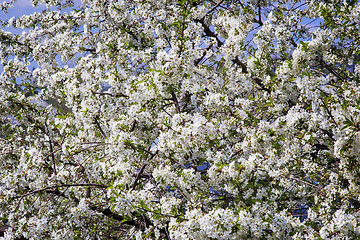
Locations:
212 9
176 102
110 94
62 185
261 84
330 69
138 176
52 156
209 33
99 127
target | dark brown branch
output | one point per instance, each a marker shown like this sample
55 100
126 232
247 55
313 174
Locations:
328 111
132 126
88 193
87 49
330 69
138 176
292 41
197 61
305 182
216 6
176 102
208 32
107 212
241 4
110 94
333 234
99 127
52 156
329 134
261 84
240 64
98 143
259 21
142 220
137 223
163 214
3 230
62 185
58 193
236 153
87 148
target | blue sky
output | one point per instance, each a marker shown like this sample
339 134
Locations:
21 7
24 7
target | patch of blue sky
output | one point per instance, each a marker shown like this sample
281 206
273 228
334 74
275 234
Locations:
25 7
